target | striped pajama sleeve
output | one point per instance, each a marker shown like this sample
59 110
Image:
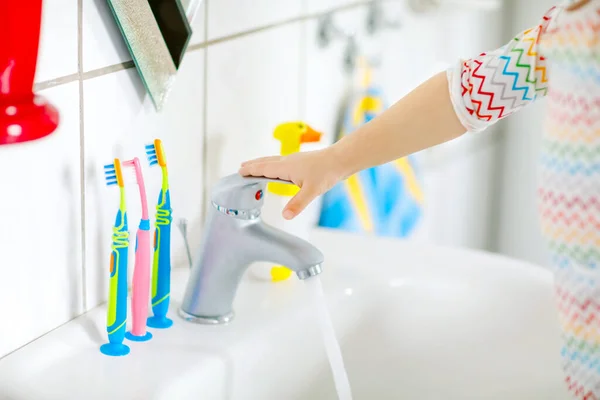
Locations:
495 84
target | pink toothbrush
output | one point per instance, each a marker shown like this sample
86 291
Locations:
141 273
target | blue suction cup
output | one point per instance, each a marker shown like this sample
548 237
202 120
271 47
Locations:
114 349
135 338
159 322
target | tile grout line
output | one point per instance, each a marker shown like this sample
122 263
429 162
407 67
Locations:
198 46
49 331
278 24
82 169
56 82
107 70
41 336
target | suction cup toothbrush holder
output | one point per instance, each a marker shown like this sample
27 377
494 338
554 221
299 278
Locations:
134 338
115 349
24 116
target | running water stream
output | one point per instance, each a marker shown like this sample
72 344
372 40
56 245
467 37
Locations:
332 346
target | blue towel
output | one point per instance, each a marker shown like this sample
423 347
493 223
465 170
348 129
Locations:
385 200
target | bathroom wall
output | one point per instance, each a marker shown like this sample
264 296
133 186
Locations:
251 64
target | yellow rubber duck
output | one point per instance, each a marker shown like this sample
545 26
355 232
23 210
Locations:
291 135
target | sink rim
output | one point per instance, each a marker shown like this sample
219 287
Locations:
413 260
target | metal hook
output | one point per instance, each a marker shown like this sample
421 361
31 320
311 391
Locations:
350 54
328 31
376 20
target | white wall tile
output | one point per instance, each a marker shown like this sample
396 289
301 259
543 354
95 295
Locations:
460 215
402 61
326 78
253 86
117 113
409 53
226 17
41 239
103 44
57 54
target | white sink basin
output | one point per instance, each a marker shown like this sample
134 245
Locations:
414 322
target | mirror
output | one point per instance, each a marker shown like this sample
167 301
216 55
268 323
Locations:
157 33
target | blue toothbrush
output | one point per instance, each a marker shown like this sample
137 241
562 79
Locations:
161 267
117 298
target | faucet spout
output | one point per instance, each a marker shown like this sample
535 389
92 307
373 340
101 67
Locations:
234 237
270 244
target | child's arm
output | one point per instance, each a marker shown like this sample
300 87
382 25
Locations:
470 97
422 119
482 91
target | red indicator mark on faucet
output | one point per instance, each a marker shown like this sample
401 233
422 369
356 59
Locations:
258 195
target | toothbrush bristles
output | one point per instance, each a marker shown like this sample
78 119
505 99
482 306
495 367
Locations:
110 174
151 154
131 175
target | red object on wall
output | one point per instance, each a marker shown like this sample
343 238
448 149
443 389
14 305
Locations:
24 116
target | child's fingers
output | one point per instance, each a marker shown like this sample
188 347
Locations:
274 170
252 169
261 159
299 202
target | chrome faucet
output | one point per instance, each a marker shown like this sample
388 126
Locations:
234 237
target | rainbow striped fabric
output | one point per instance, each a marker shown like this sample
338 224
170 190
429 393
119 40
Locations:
558 59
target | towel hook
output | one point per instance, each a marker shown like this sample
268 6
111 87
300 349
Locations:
376 20
328 31
350 54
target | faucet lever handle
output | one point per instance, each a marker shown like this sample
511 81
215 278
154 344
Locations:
236 192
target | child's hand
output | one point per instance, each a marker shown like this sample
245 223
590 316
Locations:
315 172
422 119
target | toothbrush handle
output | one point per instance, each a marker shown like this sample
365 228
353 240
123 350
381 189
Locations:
141 280
117 303
162 270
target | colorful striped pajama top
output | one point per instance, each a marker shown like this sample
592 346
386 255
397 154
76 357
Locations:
559 60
